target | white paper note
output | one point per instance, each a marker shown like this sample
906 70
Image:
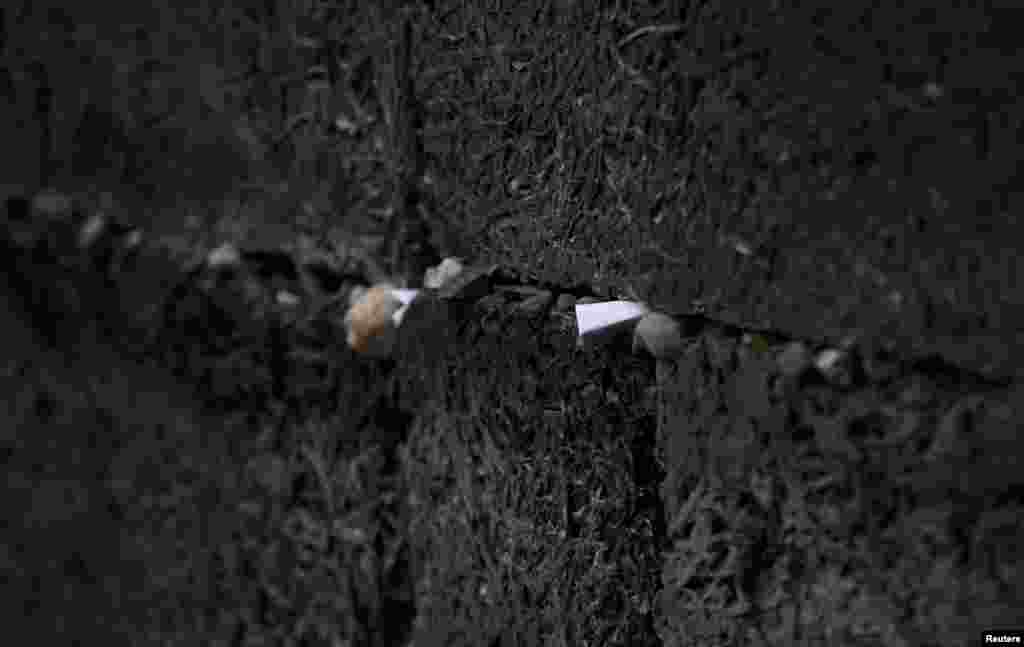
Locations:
596 319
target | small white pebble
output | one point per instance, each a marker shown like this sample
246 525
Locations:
133 239
287 299
52 204
436 277
223 257
828 360
659 334
741 247
91 230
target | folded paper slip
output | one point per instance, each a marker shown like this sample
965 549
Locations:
406 297
598 321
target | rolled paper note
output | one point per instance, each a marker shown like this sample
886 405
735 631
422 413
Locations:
406 297
600 321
